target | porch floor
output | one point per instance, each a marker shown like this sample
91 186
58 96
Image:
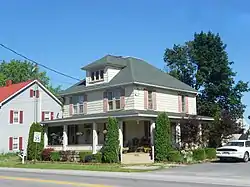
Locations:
136 158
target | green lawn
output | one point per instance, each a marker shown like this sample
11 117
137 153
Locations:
14 162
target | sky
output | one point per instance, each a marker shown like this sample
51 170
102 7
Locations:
66 35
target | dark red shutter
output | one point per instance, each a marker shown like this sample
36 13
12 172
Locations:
10 143
21 117
43 115
51 115
11 117
20 143
37 93
31 93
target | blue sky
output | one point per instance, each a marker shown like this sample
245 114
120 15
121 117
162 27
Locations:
65 35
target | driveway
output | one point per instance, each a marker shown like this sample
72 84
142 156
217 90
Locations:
216 169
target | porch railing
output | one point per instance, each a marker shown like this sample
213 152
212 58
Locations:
78 109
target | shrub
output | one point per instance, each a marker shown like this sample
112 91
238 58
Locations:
175 156
98 157
46 154
162 137
34 151
65 155
111 145
199 154
55 156
83 155
210 153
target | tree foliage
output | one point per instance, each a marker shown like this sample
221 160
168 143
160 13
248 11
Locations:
34 150
20 71
111 145
162 137
204 65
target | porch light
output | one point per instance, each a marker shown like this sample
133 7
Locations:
105 131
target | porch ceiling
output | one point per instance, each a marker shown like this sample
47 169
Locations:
125 114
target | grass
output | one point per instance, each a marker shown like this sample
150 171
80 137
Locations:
12 161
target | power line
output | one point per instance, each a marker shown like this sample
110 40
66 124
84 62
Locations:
46 67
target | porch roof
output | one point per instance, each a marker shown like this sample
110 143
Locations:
125 114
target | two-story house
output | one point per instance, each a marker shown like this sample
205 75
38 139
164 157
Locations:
20 105
127 88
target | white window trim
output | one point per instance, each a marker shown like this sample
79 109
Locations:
96 80
13 143
113 101
49 113
18 117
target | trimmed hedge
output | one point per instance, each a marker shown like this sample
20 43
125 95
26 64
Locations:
175 156
55 156
210 153
83 155
199 154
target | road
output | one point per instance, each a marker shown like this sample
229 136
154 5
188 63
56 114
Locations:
202 175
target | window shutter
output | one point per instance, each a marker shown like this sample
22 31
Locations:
179 103
11 117
51 115
20 143
105 102
122 98
145 99
43 116
71 109
31 92
85 104
154 101
186 103
21 117
10 143
37 93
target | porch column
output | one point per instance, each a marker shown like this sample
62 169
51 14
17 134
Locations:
178 134
152 127
95 139
45 136
121 138
200 133
65 137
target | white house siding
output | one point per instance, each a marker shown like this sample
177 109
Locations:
24 103
112 72
129 97
166 100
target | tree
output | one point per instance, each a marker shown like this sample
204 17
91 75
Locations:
34 150
20 71
162 137
203 64
111 145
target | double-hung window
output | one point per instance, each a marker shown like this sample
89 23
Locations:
46 116
150 100
114 101
15 117
15 143
183 103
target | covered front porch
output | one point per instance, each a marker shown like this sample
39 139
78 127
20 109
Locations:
87 133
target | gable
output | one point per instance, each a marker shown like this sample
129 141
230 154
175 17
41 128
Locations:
26 87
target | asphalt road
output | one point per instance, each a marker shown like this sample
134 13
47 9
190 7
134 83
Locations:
209 174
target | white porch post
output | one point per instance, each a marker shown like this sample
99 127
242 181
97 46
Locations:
200 133
95 139
45 136
65 137
178 133
121 138
152 127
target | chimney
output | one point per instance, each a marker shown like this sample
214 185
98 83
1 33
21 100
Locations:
8 82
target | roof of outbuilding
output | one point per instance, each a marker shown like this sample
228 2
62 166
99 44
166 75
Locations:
133 70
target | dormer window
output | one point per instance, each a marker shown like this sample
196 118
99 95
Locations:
97 75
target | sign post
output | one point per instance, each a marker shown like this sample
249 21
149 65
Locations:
37 139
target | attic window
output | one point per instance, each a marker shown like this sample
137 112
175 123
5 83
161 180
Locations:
97 75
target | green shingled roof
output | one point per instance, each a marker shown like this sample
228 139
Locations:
133 70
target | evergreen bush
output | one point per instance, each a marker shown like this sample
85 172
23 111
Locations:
34 150
162 137
111 145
